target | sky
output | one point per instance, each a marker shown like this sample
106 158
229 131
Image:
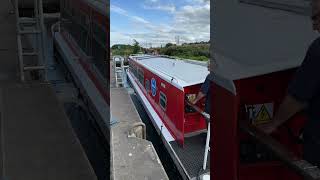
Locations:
157 22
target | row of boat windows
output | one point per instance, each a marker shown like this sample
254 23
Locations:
162 97
138 73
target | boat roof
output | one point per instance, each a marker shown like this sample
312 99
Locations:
181 73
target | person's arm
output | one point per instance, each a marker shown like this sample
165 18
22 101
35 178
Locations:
200 95
289 107
304 86
203 91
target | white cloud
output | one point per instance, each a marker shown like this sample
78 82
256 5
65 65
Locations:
156 5
140 19
118 10
123 12
119 38
169 8
191 23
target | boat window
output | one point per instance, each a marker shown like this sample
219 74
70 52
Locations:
140 76
147 85
298 6
163 100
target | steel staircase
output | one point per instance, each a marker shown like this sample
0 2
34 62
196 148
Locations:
33 28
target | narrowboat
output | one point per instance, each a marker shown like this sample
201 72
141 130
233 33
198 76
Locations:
81 40
164 85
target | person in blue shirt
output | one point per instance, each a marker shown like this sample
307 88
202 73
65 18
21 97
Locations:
204 91
304 95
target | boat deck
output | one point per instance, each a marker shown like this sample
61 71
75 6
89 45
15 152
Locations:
36 138
191 156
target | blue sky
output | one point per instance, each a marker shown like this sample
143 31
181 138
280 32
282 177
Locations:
157 22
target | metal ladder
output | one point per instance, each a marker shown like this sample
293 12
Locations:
119 71
32 26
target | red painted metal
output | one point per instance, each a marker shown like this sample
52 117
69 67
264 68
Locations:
224 114
101 19
174 117
228 109
83 6
85 65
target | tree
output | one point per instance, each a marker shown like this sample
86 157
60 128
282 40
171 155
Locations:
136 47
168 45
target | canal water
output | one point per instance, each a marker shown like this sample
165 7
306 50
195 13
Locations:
92 140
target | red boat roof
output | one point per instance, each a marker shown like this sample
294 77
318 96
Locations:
178 72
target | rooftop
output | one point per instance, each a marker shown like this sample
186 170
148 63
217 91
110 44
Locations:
179 72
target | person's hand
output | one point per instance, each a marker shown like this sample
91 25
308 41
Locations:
267 128
194 101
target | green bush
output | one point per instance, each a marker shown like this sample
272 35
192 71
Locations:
199 51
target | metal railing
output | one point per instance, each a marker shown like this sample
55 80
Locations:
207 146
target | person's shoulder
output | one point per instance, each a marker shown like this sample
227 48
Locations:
210 77
315 44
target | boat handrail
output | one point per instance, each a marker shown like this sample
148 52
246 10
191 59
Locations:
199 110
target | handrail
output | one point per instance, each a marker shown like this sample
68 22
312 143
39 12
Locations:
299 165
199 110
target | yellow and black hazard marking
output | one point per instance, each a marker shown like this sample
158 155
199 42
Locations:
263 116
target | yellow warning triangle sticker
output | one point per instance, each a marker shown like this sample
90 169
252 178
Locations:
263 116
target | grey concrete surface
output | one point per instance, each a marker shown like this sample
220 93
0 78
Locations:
132 158
8 44
37 141
37 138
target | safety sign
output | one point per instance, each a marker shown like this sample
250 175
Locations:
260 113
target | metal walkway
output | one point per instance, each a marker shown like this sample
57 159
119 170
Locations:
37 140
